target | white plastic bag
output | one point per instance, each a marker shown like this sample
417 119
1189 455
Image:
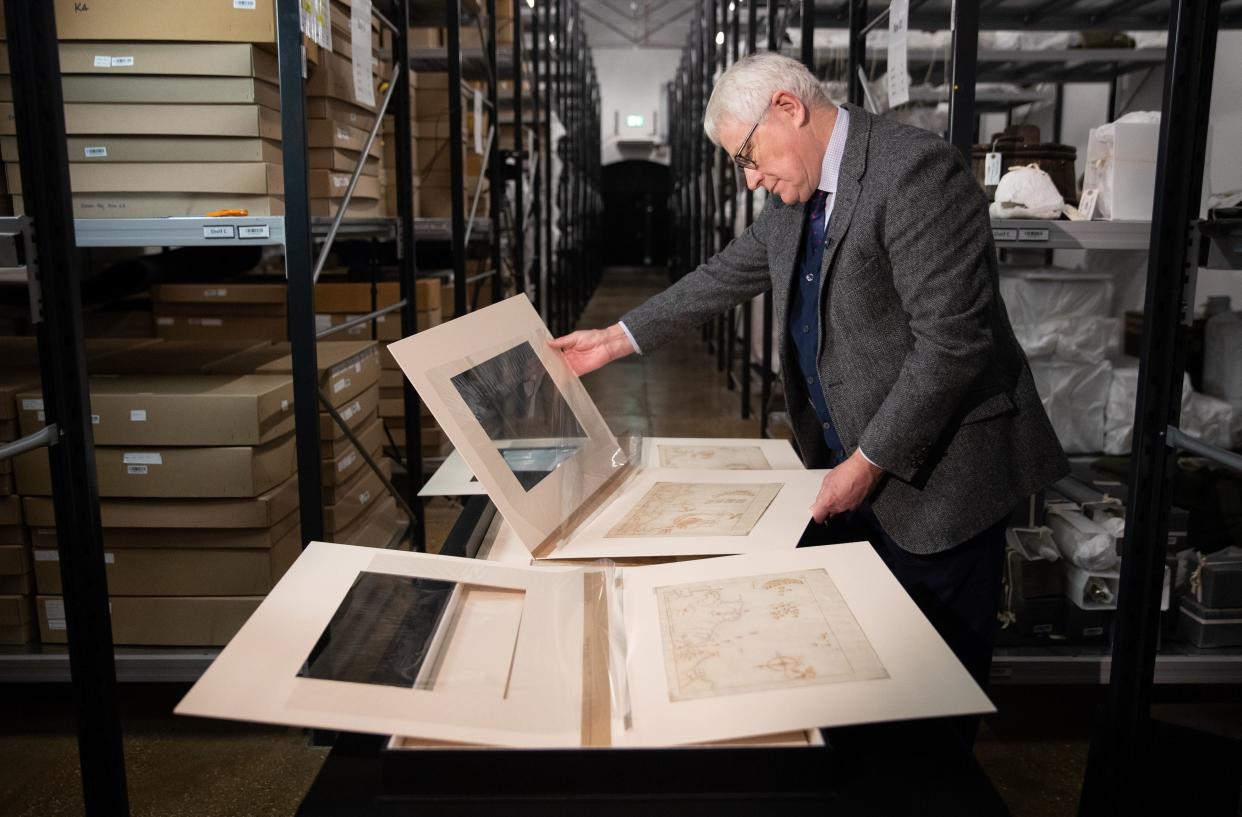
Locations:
1082 541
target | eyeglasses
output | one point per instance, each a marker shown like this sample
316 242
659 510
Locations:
745 162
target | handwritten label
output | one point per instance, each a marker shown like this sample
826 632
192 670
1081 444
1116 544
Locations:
991 169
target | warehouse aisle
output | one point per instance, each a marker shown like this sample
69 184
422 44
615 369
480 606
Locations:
670 392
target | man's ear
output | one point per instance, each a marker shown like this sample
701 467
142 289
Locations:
789 105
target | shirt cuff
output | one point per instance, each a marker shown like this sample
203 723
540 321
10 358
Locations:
633 342
868 459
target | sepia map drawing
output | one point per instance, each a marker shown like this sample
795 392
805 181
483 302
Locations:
697 509
725 457
758 633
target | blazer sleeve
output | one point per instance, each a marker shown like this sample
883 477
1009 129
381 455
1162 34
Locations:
938 237
732 276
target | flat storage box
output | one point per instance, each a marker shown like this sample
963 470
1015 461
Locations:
253 21
199 59
87 118
345 460
349 502
1220 584
322 133
1205 626
220 326
1088 626
14 559
346 368
354 413
166 472
187 538
174 570
248 178
334 78
355 298
338 112
218 297
171 90
192 410
17 620
1131 168
198 621
201 520
175 357
164 149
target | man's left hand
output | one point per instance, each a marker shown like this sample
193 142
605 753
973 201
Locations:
846 487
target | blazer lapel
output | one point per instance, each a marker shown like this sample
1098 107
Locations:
853 165
782 259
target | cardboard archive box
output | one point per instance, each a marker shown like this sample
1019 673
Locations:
17 620
174 472
245 22
346 368
193 410
161 621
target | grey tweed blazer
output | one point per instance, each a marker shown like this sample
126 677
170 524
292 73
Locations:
917 359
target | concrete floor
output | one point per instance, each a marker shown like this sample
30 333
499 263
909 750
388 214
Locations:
1034 749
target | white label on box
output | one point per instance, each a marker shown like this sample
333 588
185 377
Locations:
219 231
95 419
1033 235
991 169
341 385
244 5
215 293
256 231
109 558
32 405
284 405
138 416
342 134
122 62
102 61
348 414
136 470
323 322
99 152
47 556
360 31
478 122
207 321
364 497
42 416
165 321
1091 632
358 367
1004 235
143 458
347 461
56 614
340 180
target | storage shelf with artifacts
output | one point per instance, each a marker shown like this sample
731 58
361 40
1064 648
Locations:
203 231
474 63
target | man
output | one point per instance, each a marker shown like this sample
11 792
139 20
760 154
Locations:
900 368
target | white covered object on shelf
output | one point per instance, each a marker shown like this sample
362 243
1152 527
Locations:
1121 164
1074 395
1026 191
1036 294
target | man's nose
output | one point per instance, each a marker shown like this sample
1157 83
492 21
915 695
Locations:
753 178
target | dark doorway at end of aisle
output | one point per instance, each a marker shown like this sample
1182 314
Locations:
636 213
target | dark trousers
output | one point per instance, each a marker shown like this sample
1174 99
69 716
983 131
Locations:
959 590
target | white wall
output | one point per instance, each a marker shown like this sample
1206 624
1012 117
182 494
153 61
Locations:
631 81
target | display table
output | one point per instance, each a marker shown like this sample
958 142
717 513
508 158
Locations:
912 767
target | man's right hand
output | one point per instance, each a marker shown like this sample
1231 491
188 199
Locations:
589 349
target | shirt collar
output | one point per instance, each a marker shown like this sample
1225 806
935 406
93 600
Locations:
831 167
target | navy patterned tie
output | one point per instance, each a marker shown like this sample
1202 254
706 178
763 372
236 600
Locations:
813 253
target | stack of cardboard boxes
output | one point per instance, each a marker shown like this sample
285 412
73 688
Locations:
357 508
173 109
196 475
431 149
341 107
19 359
170 109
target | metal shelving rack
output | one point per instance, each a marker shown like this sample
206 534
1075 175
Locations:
45 239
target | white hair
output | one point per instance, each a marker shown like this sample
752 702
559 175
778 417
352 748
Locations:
745 91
